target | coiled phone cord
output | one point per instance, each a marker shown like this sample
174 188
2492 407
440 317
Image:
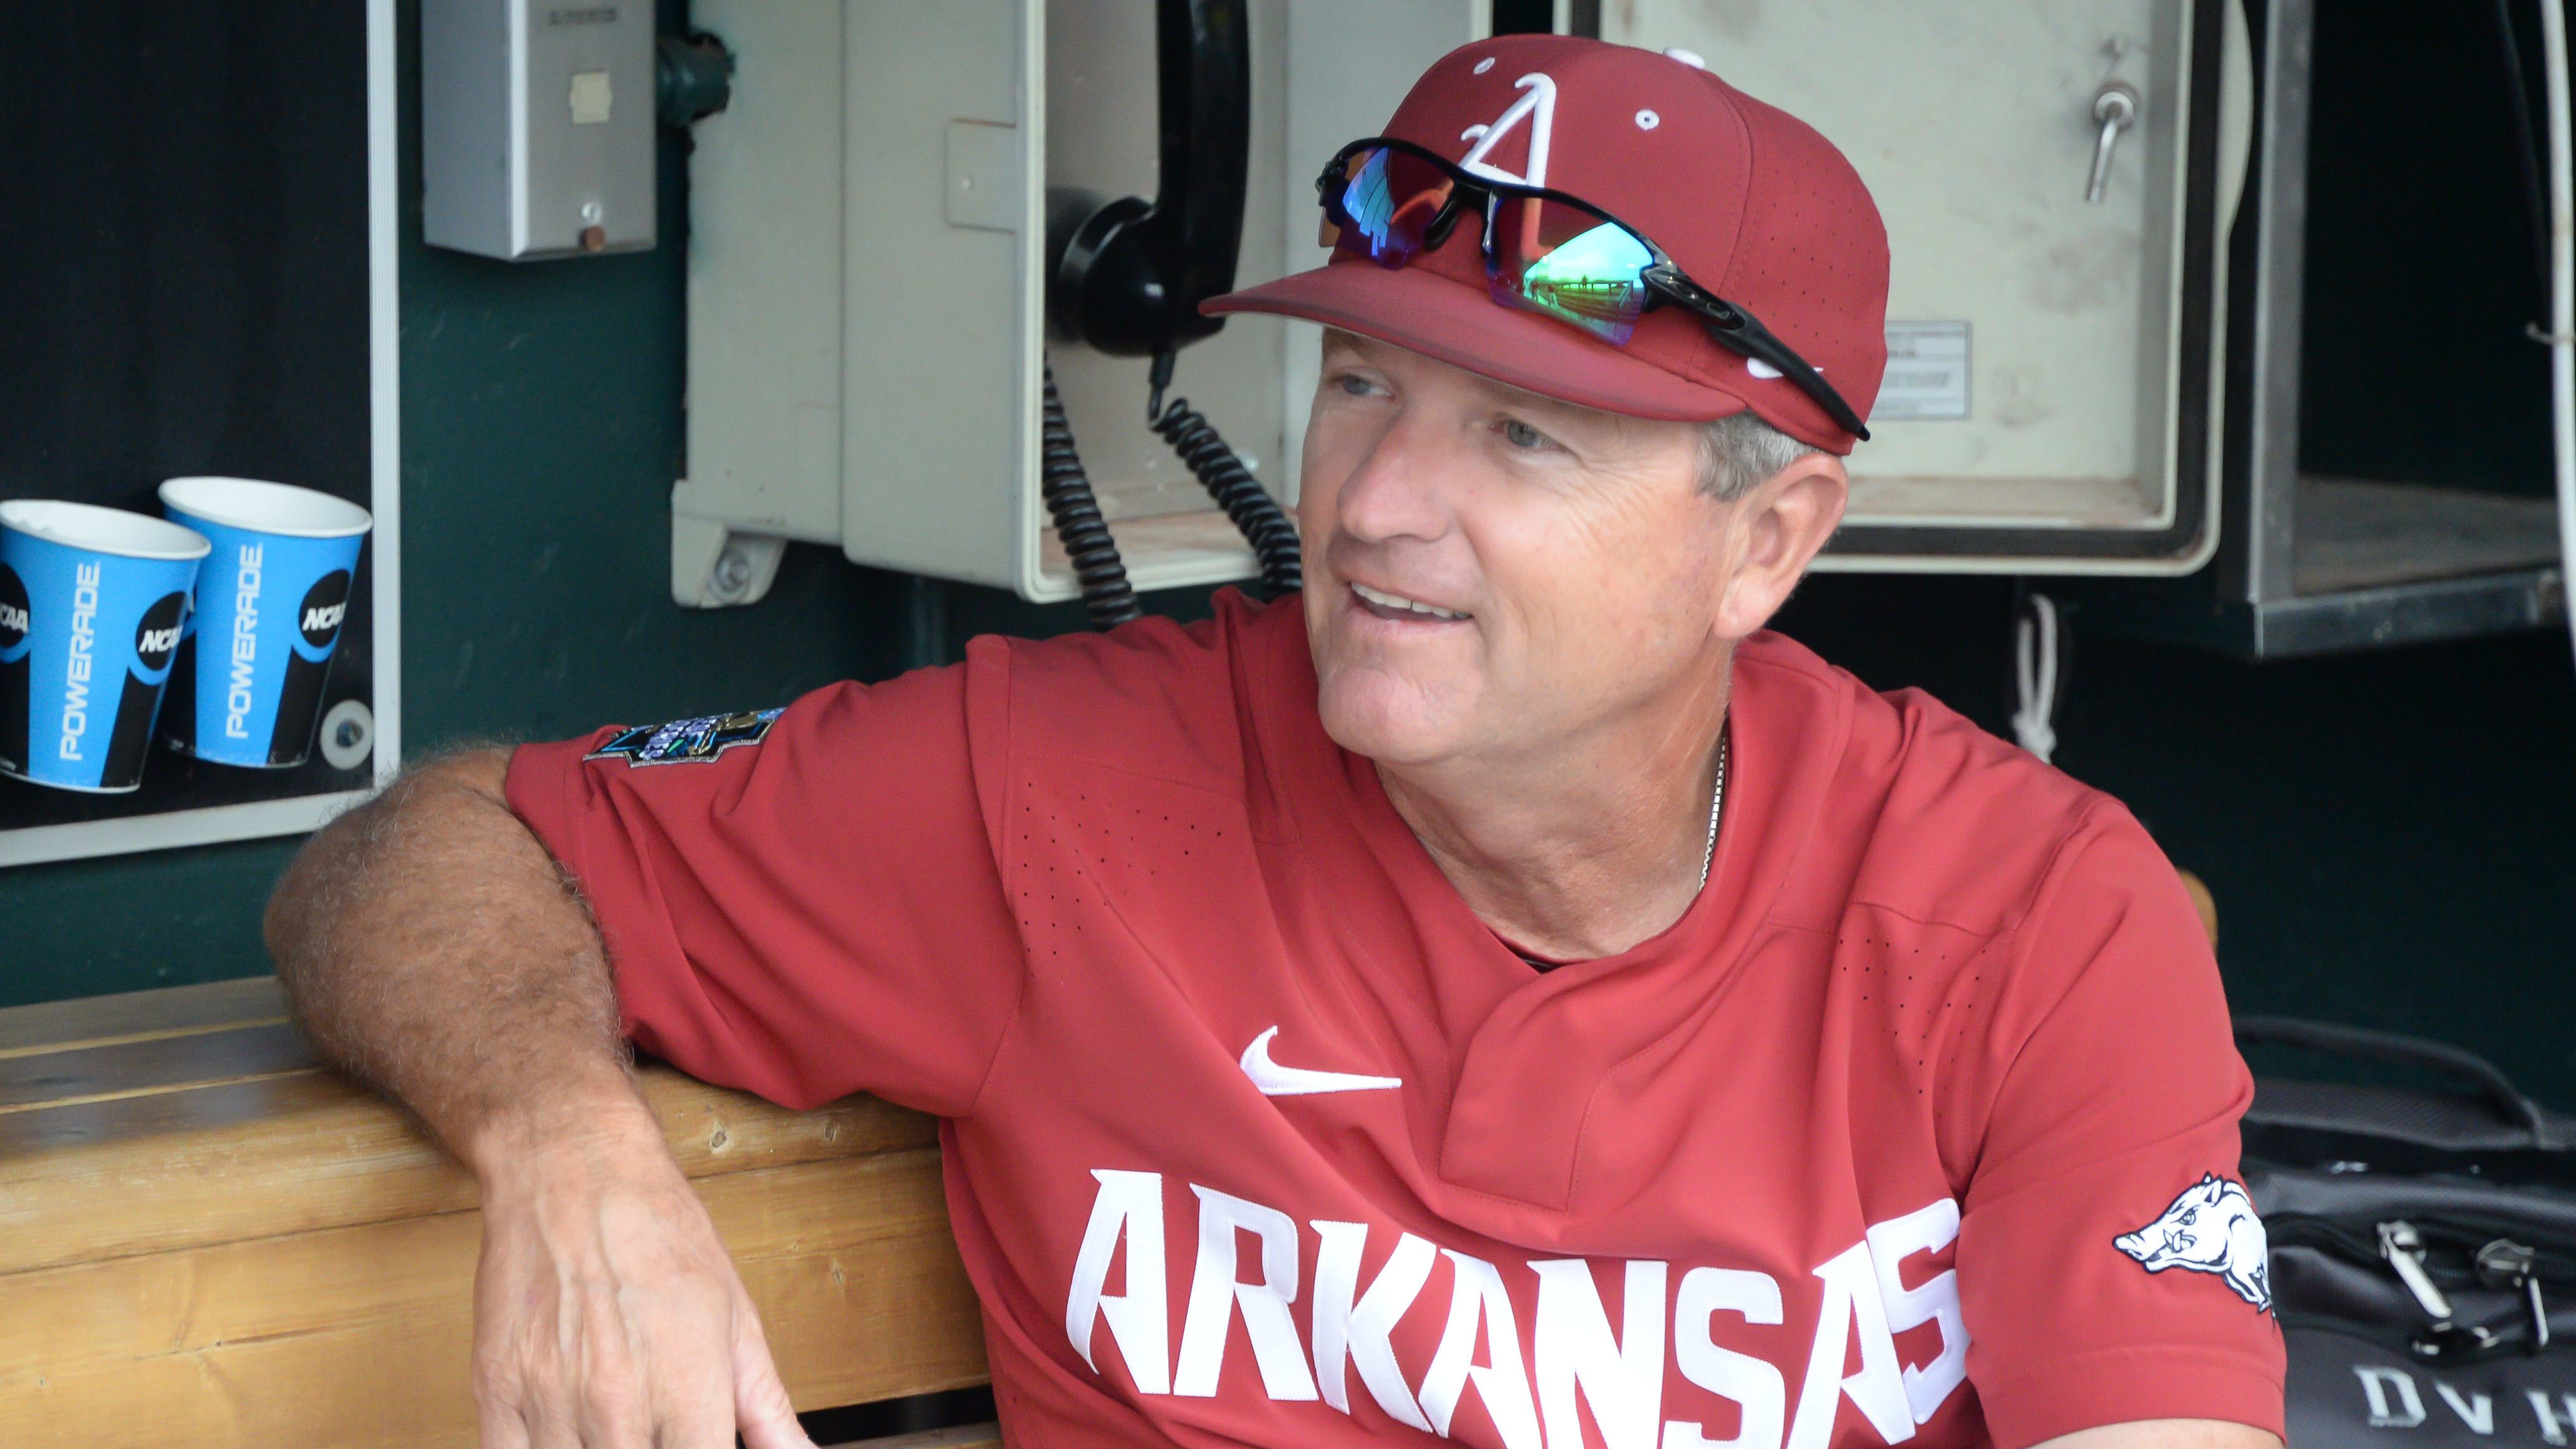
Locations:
1264 526
1106 593
1219 470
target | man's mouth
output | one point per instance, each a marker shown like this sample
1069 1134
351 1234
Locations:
1396 606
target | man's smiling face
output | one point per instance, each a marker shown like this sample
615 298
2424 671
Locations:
1490 572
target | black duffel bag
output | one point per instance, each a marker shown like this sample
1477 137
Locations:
2422 1247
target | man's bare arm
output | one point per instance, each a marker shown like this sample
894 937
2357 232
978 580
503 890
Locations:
431 947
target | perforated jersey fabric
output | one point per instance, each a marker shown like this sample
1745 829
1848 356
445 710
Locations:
1257 1135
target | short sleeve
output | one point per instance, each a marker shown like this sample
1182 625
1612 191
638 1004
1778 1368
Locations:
2110 1266
802 905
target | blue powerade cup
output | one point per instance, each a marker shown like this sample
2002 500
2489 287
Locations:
270 601
92 603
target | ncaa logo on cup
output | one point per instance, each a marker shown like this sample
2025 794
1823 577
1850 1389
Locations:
325 605
157 637
14 618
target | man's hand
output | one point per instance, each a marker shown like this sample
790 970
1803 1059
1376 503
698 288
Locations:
606 1311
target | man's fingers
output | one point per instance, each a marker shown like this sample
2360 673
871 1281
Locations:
499 1426
612 1414
761 1406
705 1421
693 1385
553 1426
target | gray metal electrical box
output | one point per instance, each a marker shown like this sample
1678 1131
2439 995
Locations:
2057 178
537 126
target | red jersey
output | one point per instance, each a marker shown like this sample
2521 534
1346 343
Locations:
1919 1125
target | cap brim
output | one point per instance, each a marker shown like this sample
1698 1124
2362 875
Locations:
1421 310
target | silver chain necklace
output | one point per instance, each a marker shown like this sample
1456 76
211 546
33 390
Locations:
1716 802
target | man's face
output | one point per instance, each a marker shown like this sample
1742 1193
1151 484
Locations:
1576 564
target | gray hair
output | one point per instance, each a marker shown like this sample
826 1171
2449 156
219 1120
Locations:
1740 450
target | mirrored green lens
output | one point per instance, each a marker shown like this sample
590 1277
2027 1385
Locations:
1594 280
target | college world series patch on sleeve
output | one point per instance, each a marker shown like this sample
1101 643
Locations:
684 741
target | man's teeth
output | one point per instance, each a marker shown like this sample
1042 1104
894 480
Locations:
1386 600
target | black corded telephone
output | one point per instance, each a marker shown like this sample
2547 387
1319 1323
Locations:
1127 277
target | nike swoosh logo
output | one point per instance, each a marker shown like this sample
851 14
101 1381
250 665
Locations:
1274 1080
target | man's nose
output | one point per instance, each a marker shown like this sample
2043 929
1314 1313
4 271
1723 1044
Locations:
1403 488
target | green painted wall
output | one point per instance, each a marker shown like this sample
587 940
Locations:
2392 837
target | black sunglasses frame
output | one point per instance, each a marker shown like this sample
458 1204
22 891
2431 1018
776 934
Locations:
1729 325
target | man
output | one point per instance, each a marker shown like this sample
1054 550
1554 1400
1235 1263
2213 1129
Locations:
1502 994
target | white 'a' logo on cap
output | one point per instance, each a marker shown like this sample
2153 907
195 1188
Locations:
1537 107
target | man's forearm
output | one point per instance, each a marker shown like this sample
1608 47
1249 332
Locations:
431 947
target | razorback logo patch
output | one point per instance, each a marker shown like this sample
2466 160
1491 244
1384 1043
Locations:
686 741
2211 1228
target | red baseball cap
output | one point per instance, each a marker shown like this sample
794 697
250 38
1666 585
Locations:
1747 199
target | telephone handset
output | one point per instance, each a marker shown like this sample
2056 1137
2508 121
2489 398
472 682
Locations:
1127 276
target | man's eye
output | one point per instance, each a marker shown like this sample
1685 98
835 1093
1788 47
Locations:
1521 435
1352 384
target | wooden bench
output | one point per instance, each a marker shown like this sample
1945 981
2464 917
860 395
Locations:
208 1239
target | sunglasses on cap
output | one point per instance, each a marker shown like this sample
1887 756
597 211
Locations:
1545 251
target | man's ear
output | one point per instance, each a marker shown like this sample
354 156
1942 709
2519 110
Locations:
1780 524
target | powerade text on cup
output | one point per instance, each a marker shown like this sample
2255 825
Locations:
93 602
270 602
